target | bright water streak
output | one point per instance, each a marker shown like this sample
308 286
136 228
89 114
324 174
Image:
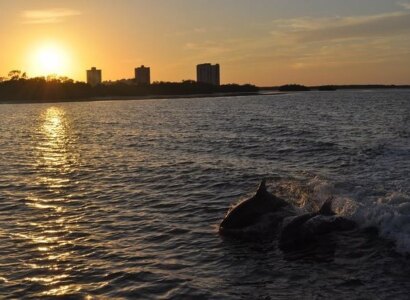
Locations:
121 199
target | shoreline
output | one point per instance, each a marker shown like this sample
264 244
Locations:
147 97
262 92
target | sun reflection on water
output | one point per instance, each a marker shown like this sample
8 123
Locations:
51 225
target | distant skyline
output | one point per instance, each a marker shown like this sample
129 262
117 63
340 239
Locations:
264 42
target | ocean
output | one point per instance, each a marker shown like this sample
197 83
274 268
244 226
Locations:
122 199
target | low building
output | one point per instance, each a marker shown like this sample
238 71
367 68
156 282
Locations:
94 76
143 75
208 73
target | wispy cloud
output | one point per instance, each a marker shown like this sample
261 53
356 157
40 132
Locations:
47 16
405 5
302 45
325 29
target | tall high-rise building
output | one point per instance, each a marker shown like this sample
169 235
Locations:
207 73
94 77
143 75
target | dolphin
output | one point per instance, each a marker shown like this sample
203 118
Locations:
297 231
259 213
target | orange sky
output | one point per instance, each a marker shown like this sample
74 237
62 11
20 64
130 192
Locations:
264 42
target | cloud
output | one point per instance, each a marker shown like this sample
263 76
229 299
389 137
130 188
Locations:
327 29
47 16
405 5
323 49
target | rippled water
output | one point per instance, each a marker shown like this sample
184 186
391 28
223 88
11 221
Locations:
122 199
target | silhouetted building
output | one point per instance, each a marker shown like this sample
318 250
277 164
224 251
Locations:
207 73
143 75
94 77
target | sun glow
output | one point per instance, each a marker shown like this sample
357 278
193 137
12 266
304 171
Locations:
49 60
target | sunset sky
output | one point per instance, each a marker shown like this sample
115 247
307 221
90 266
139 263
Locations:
264 42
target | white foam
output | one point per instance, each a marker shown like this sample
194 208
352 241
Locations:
390 214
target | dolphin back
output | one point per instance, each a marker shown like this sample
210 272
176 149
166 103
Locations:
250 211
326 209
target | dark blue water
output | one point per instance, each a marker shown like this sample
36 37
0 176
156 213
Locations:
122 199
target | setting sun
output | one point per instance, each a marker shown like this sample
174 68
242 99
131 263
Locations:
49 59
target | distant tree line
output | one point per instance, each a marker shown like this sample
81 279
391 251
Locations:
359 87
18 88
293 88
299 87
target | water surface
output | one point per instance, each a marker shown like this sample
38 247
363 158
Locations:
121 199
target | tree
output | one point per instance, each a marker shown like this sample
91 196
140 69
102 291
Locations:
65 79
14 75
52 77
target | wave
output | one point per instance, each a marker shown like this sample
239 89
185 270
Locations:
390 214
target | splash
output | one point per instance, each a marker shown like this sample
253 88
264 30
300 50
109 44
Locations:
389 214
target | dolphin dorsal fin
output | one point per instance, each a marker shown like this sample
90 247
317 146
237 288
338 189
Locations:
326 208
262 187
